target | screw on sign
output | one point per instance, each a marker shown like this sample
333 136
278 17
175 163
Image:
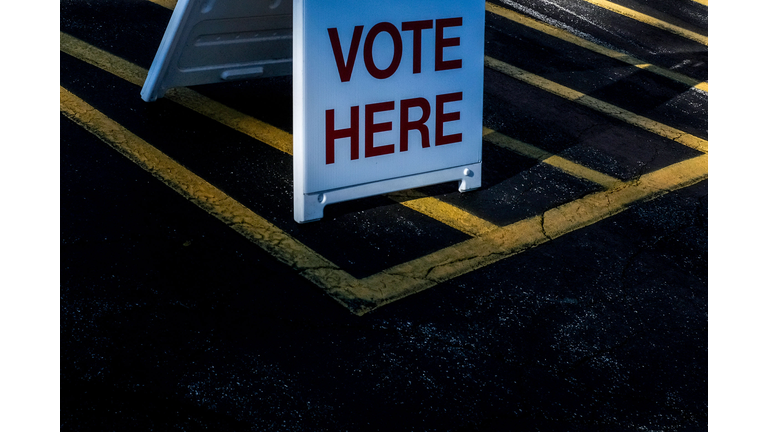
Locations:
405 112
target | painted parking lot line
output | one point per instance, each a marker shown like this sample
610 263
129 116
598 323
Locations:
197 190
581 42
647 19
364 295
504 242
170 4
191 99
446 213
545 157
610 110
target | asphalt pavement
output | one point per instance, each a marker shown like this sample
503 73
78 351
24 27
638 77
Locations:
568 293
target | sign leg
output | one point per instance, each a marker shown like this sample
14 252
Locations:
308 208
471 179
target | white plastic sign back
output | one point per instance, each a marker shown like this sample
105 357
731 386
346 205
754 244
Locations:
209 41
387 96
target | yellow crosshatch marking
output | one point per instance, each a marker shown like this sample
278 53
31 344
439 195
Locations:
363 295
489 242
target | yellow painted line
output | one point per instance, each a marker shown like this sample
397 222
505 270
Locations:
647 19
443 265
170 4
443 212
571 38
563 164
363 295
134 74
704 2
102 59
629 117
257 229
264 132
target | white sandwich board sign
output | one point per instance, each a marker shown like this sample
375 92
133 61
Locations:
387 96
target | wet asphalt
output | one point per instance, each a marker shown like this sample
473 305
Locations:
171 320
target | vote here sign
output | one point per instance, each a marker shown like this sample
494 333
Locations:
387 96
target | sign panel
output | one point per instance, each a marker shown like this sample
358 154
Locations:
387 96
210 41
